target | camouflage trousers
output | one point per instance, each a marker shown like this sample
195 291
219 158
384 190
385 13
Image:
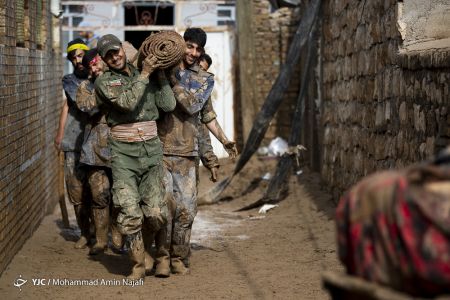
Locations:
76 179
138 192
100 186
181 181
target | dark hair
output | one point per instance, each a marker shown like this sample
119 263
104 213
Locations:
206 58
71 54
88 57
195 35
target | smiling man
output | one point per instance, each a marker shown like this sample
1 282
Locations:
132 102
95 156
178 131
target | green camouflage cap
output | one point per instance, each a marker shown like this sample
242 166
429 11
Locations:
106 43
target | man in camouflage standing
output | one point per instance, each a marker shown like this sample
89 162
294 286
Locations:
69 138
95 156
131 104
179 134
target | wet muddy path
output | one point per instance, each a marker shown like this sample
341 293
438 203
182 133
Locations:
241 255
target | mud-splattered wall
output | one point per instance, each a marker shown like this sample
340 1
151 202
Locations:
30 100
385 105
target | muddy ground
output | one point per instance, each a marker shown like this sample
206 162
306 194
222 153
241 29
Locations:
236 255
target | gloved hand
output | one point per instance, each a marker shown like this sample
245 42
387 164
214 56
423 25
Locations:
149 65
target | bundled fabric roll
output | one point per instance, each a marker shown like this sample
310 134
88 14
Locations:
167 46
394 228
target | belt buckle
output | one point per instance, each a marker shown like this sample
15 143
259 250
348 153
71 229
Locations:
141 132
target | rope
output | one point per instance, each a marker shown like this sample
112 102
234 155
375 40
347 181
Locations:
167 46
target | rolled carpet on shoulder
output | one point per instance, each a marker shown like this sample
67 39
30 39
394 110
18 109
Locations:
167 46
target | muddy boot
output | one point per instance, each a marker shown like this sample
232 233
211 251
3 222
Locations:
148 263
82 217
101 220
148 238
178 266
187 261
137 255
117 239
162 254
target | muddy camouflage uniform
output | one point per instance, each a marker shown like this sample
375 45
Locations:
75 176
179 134
95 151
137 166
205 151
95 155
72 141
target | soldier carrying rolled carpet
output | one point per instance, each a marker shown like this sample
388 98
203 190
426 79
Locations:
131 103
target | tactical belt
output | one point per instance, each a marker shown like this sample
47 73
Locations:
134 132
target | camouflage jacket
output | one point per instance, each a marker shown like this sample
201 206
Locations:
76 120
95 150
179 130
129 99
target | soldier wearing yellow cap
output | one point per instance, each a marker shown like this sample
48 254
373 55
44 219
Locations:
69 138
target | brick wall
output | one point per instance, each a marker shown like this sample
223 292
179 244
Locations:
30 101
383 103
384 107
264 40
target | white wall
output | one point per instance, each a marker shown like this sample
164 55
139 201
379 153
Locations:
220 47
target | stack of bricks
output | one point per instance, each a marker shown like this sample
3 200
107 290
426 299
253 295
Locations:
30 101
264 40
383 108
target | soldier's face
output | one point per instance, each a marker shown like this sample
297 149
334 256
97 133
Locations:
116 59
97 66
76 60
192 53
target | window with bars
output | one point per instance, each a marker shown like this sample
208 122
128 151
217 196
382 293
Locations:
226 14
27 12
20 22
39 24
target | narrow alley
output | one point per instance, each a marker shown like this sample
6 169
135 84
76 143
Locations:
245 255
225 149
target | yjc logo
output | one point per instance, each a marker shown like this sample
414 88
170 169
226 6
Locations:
19 282
38 281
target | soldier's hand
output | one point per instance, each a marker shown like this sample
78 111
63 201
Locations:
213 176
149 65
231 149
57 143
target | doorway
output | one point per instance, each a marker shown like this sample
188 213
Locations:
146 14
